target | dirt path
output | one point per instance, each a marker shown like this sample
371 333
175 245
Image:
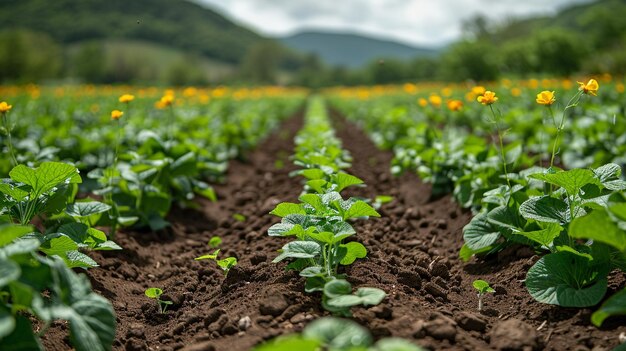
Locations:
412 256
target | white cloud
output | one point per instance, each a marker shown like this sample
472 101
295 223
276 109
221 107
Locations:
418 22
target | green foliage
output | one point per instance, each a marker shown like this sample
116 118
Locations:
27 56
319 222
155 293
26 275
335 334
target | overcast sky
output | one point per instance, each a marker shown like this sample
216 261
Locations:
418 22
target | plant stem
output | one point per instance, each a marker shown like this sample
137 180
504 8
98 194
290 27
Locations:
7 127
480 302
559 128
506 173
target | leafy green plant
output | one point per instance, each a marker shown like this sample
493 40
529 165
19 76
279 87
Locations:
215 242
45 288
335 334
155 293
483 288
319 223
225 264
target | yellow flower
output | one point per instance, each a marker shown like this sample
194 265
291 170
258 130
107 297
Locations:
165 101
488 98
516 91
423 102
455 105
116 114
591 88
126 98
478 90
4 107
435 100
546 98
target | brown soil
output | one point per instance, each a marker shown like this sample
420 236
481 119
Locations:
413 256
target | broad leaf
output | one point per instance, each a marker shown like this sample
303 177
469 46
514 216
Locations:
338 334
479 233
545 209
344 180
299 249
598 226
615 305
360 209
337 287
85 209
545 236
565 279
288 208
46 176
572 181
354 250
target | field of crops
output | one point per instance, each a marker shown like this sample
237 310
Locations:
384 218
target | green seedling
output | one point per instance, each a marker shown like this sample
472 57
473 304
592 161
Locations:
483 288
215 242
239 217
226 264
155 293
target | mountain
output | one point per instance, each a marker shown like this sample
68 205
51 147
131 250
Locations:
351 50
179 24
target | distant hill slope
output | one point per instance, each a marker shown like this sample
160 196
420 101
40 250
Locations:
351 50
180 24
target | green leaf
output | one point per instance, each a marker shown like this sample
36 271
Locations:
572 181
482 286
215 241
370 296
299 249
544 236
354 250
337 287
9 271
615 305
91 317
344 180
338 334
479 233
212 256
313 173
317 185
360 209
325 237
290 343
565 279
545 209
598 226
608 172
7 322
16 193
46 176
153 293
10 232
227 263
314 201
85 209
395 344
22 338
288 208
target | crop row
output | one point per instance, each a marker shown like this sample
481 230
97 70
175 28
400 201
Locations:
574 218
136 167
324 240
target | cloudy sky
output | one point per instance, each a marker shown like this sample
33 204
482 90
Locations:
418 22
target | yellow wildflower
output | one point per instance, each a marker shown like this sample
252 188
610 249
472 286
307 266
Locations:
116 114
422 102
455 105
4 107
591 88
435 100
546 98
488 98
126 98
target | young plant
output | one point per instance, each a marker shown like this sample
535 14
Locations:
483 288
319 223
225 264
155 293
6 128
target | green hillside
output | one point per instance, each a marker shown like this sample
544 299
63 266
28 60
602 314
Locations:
351 50
180 24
